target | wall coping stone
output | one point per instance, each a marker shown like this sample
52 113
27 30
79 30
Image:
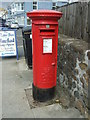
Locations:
80 45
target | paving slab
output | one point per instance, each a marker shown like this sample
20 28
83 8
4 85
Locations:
15 104
56 111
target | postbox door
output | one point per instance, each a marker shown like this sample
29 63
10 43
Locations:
49 59
44 56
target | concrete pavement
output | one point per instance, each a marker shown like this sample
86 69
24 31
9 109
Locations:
0 89
16 78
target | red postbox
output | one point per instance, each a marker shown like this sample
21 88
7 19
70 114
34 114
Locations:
45 43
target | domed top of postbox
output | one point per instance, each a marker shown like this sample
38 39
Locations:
44 14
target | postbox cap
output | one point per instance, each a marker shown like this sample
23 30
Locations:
42 14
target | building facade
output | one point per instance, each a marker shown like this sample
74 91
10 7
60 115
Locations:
17 10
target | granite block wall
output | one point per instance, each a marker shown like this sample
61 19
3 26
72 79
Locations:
74 70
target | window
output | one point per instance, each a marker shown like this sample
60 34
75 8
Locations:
34 5
18 6
53 6
10 13
13 6
22 6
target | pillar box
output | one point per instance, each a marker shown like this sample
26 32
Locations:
45 43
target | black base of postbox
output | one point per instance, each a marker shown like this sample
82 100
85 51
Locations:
43 95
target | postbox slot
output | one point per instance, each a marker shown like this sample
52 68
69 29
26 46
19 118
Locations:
47 32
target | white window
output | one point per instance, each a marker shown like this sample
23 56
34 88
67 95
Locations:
18 6
34 5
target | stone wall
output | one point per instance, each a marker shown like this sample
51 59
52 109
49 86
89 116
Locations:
74 70
75 21
89 22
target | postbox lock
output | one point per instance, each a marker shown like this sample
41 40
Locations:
53 64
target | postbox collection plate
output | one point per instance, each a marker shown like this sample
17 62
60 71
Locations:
47 26
47 45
